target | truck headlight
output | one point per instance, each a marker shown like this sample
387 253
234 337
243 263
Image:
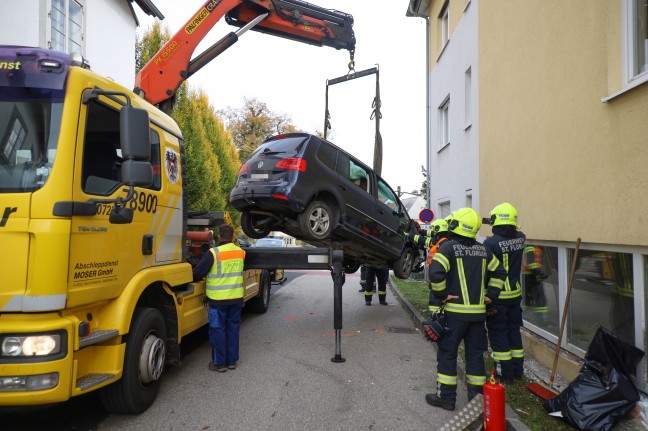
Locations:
30 345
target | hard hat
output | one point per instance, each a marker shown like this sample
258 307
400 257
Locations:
504 214
440 225
465 222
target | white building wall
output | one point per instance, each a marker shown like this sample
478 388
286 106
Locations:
19 22
110 40
454 170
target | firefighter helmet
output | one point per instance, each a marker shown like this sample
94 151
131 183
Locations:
465 222
504 214
440 225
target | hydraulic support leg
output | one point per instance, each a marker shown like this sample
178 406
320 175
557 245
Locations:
337 273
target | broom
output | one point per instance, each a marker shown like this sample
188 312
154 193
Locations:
543 391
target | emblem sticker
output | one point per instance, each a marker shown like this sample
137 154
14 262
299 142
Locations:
172 165
260 165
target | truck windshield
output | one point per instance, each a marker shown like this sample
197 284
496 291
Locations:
32 86
28 143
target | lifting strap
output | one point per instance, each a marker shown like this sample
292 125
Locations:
375 114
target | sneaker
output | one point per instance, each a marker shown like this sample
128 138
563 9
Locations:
232 366
435 401
219 368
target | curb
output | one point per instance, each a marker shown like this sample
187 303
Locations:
513 422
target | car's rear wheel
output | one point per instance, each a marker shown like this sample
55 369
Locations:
256 226
403 266
317 221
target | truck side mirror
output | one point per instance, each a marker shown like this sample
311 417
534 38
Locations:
137 174
134 133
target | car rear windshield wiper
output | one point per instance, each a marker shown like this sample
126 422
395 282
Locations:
267 152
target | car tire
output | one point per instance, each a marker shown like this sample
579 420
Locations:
143 365
351 266
317 221
403 266
259 304
255 226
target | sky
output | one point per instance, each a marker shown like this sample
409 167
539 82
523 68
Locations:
290 77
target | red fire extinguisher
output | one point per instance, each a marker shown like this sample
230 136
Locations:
494 405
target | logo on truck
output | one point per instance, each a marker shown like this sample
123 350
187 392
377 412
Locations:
171 165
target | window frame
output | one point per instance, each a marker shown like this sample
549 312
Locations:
444 123
444 24
66 26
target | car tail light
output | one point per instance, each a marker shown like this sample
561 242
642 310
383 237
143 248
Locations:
283 197
292 164
243 169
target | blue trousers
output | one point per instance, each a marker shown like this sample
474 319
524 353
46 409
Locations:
224 326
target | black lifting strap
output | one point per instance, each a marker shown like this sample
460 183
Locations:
375 114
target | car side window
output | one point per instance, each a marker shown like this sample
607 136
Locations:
386 195
327 154
353 171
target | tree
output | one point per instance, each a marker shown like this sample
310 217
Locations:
424 186
252 124
211 159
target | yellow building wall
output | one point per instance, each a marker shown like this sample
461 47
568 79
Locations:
572 165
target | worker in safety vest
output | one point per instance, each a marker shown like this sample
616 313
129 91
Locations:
432 239
465 275
534 272
223 266
504 315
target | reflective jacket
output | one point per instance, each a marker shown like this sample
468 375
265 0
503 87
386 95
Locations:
225 278
507 244
465 268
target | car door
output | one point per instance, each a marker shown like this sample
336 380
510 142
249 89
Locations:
391 218
355 187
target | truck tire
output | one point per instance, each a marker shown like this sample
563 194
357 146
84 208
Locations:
259 304
143 365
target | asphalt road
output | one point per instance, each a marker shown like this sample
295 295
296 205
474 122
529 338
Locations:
286 379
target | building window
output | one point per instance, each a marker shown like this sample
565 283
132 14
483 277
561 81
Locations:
67 26
444 123
602 295
444 209
15 137
637 38
468 98
444 24
540 287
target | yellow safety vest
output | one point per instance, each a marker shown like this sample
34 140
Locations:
225 278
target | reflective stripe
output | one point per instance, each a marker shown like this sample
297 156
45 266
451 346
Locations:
496 283
225 278
507 284
475 380
492 265
517 354
502 356
465 309
433 308
462 281
437 287
537 309
442 260
446 379
509 295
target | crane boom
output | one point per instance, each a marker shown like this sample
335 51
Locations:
297 20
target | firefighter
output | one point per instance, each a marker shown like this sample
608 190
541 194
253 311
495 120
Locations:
223 267
460 271
373 275
534 273
504 315
363 278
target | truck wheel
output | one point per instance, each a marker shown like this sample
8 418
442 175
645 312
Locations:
351 266
255 226
317 221
403 266
143 365
259 304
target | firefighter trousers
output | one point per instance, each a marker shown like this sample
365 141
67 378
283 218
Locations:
373 275
473 334
506 341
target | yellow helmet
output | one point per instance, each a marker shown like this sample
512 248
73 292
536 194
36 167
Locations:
439 225
465 222
504 214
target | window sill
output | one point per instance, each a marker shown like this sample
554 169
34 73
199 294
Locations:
444 146
443 50
467 126
467 5
635 83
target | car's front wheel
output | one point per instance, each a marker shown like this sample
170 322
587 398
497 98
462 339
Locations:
403 266
317 221
255 226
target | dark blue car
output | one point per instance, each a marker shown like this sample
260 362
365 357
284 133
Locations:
307 187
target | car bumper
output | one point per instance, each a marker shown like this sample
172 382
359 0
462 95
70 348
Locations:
274 198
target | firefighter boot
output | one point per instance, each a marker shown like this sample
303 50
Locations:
445 397
474 390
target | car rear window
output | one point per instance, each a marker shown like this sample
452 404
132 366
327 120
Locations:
286 145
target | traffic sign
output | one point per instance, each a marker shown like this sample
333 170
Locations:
426 215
